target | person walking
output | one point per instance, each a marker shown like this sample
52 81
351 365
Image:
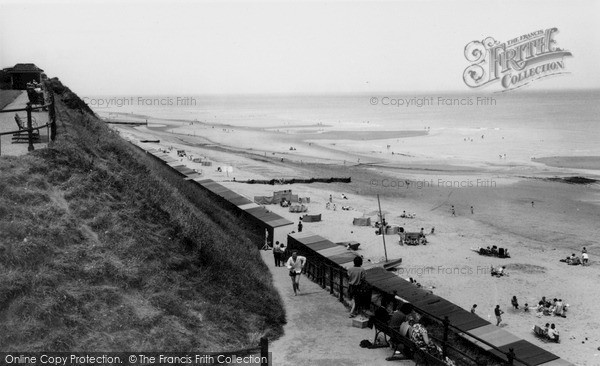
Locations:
277 254
296 264
498 314
356 275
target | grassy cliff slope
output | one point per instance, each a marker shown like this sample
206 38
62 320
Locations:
99 252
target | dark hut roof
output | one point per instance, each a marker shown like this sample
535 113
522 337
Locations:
24 68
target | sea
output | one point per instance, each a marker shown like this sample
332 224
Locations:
567 122
575 110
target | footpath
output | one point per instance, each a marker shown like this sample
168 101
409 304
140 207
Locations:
318 330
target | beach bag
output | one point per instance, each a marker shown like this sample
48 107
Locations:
365 343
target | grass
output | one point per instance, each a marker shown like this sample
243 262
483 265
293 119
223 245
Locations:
7 96
101 250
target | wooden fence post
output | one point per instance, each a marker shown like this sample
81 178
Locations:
322 274
264 351
29 126
341 274
52 117
446 322
331 280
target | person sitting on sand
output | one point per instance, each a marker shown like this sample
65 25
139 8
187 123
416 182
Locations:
559 308
547 309
539 309
552 333
494 250
498 272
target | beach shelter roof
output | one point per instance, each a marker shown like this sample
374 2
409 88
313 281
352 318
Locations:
224 192
316 245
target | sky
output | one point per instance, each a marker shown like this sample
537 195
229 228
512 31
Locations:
226 47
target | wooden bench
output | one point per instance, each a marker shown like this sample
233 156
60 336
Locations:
23 134
407 346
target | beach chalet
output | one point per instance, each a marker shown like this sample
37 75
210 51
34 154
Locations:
21 74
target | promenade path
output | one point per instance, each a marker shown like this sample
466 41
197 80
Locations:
318 330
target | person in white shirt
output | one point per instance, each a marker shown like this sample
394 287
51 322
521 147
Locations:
585 258
296 264
553 333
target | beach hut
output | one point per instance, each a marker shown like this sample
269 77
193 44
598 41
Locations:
21 74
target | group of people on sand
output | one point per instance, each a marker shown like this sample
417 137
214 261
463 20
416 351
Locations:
494 251
574 260
545 307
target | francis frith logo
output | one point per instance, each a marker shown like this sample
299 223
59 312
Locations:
516 62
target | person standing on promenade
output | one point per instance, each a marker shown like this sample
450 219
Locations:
356 275
498 314
296 264
277 254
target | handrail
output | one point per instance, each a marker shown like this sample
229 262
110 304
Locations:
25 109
25 129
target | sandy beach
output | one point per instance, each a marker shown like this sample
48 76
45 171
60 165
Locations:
421 178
